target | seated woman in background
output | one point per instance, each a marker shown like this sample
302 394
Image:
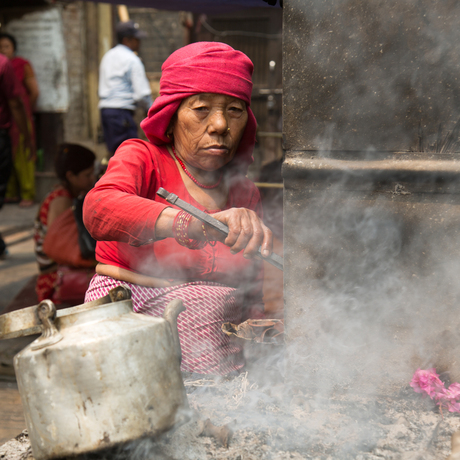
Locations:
74 167
202 134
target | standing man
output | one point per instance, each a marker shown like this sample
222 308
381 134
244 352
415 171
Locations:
11 108
123 85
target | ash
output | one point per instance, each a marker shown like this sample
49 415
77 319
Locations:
273 419
278 422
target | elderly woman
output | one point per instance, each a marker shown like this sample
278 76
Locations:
202 133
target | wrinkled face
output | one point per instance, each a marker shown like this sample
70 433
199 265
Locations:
208 128
82 182
6 47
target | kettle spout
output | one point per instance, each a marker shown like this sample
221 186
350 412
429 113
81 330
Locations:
172 311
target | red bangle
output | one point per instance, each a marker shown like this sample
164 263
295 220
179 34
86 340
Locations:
205 233
180 232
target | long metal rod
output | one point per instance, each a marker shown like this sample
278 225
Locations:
172 198
268 185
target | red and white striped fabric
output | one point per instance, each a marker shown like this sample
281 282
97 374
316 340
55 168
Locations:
205 348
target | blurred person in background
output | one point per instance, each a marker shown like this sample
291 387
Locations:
21 185
123 86
11 109
74 165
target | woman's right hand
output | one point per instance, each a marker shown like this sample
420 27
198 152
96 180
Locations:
246 230
246 233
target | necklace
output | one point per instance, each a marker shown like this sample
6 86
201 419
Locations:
190 175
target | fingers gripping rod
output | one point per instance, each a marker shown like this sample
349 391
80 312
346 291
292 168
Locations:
172 198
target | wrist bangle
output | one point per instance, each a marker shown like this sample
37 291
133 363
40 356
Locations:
180 232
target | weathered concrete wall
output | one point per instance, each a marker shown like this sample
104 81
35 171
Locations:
371 236
165 34
76 118
370 74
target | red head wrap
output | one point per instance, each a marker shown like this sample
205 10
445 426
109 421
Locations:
203 67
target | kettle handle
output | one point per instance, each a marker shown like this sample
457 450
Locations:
172 311
46 312
23 322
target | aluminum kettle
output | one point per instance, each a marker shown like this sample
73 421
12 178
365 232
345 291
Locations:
98 376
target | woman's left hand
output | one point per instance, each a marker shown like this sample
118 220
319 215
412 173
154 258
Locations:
246 232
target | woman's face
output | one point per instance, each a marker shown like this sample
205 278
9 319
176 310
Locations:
82 182
6 47
208 129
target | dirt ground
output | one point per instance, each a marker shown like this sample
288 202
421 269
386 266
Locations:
17 268
271 420
12 419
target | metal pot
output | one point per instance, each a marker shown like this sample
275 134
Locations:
99 375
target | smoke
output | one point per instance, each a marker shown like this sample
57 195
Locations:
371 256
368 270
370 285
371 242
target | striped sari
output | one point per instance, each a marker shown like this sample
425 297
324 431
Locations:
205 348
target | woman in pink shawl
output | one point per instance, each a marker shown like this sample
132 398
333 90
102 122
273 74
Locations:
201 134
22 180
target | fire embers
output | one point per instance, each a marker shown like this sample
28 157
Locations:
257 330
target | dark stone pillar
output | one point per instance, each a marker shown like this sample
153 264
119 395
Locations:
372 202
370 75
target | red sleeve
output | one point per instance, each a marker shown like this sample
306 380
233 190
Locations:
121 206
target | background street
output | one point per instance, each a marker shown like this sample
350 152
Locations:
16 226
16 270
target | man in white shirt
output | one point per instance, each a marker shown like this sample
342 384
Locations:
123 85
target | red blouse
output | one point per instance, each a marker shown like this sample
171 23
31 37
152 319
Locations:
122 209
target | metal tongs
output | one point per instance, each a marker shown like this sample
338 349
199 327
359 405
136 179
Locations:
172 198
